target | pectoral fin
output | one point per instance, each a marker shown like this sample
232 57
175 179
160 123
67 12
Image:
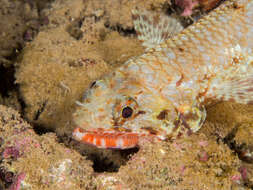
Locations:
190 119
235 83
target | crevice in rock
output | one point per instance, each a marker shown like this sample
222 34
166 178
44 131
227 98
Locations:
40 129
243 151
107 164
122 31
7 80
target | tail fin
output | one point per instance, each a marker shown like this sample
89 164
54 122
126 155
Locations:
153 29
235 83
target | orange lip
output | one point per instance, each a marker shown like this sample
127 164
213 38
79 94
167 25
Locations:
107 139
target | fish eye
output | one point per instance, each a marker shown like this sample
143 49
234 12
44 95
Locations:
127 112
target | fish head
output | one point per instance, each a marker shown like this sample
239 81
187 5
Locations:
113 118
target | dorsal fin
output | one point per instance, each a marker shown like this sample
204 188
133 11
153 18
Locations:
153 28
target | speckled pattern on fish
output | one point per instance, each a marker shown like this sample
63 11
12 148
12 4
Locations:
163 92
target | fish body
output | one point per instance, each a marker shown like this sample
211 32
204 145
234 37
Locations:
163 92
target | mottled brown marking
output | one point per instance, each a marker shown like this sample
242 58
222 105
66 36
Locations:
236 60
162 115
178 83
139 113
150 23
88 62
120 121
145 18
115 122
242 82
191 116
81 130
241 93
150 130
140 92
116 129
231 100
184 122
128 130
249 90
101 109
165 35
201 94
179 135
149 30
181 49
221 98
236 5
241 97
250 102
120 129
189 132
176 124
156 20
135 17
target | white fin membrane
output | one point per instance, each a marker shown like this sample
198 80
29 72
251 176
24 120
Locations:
153 29
236 82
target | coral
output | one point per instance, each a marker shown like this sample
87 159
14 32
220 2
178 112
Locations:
16 18
117 14
43 164
247 172
17 182
178 166
187 6
11 152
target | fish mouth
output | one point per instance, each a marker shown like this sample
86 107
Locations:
107 138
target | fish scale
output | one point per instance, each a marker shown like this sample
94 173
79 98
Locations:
163 92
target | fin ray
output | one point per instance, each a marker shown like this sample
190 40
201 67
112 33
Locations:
153 29
238 90
236 83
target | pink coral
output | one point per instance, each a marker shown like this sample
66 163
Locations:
11 152
203 156
236 178
17 183
243 172
203 143
182 169
187 6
